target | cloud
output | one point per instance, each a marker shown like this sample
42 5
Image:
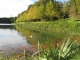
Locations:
13 7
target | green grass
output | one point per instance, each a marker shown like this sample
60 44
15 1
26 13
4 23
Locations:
58 29
67 51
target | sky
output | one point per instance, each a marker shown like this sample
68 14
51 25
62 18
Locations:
11 8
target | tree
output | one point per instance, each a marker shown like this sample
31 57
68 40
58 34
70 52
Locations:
73 8
41 12
65 10
32 13
52 10
44 1
78 5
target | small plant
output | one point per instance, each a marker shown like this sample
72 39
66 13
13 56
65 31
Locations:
67 49
63 52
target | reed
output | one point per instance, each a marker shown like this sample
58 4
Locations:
64 52
58 29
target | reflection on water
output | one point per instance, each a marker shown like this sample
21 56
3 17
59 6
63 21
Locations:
32 36
15 38
43 37
6 26
11 39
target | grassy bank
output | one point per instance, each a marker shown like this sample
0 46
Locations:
57 29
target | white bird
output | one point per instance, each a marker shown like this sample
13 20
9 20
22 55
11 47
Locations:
31 36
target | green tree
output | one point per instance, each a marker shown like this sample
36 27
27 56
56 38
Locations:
32 13
65 10
73 8
41 12
44 1
78 5
50 9
22 17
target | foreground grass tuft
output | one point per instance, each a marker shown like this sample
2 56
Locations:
64 52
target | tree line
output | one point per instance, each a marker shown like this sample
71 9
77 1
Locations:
50 10
7 20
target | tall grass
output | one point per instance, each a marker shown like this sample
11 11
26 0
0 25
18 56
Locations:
57 29
64 52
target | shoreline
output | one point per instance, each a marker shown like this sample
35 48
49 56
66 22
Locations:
18 50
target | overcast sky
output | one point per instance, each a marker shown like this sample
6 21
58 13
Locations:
9 8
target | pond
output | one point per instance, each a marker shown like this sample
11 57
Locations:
12 41
15 39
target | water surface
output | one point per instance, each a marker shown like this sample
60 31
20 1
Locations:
11 40
15 38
